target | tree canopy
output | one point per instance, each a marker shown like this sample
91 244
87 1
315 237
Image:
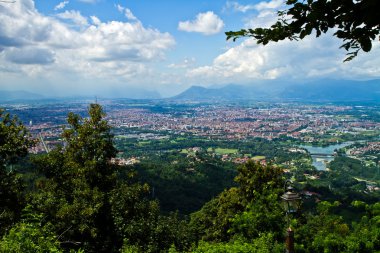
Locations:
356 22
14 143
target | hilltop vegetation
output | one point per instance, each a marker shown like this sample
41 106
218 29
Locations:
74 199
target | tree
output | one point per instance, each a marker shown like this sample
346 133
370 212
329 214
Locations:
263 244
30 236
14 143
245 211
355 22
87 200
74 195
14 139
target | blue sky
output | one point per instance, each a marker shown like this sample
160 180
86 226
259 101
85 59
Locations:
113 48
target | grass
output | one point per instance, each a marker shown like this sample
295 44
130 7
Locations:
143 143
225 151
122 137
184 151
258 157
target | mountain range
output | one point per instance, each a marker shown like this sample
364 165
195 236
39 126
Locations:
322 90
6 95
317 91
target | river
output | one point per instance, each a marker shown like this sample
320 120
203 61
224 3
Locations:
326 154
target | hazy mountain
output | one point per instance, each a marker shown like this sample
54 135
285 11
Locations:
18 95
334 90
322 90
130 92
229 92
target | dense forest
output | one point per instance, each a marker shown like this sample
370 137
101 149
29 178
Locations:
73 199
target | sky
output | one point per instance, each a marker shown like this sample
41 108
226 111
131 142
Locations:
122 48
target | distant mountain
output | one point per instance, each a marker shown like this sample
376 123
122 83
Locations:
18 95
130 92
229 92
334 90
322 90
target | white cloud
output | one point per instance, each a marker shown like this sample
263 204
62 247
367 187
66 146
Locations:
186 63
95 20
287 60
128 13
88 1
48 47
61 5
235 6
264 19
274 4
119 41
120 8
206 23
74 16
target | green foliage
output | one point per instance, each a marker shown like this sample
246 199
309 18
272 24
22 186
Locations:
354 22
354 167
30 236
138 220
74 193
263 244
185 183
134 215
90 146
89 206
14 143
248 210
255 180
261 216
334 235
82 201
213 221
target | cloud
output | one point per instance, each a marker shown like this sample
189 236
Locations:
88 1
124 41
127 12
48 46
235 6
311 58
61 5
95 20
30 55
206 23
186 63
274 4
74 16
9 41
120 8
264 19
